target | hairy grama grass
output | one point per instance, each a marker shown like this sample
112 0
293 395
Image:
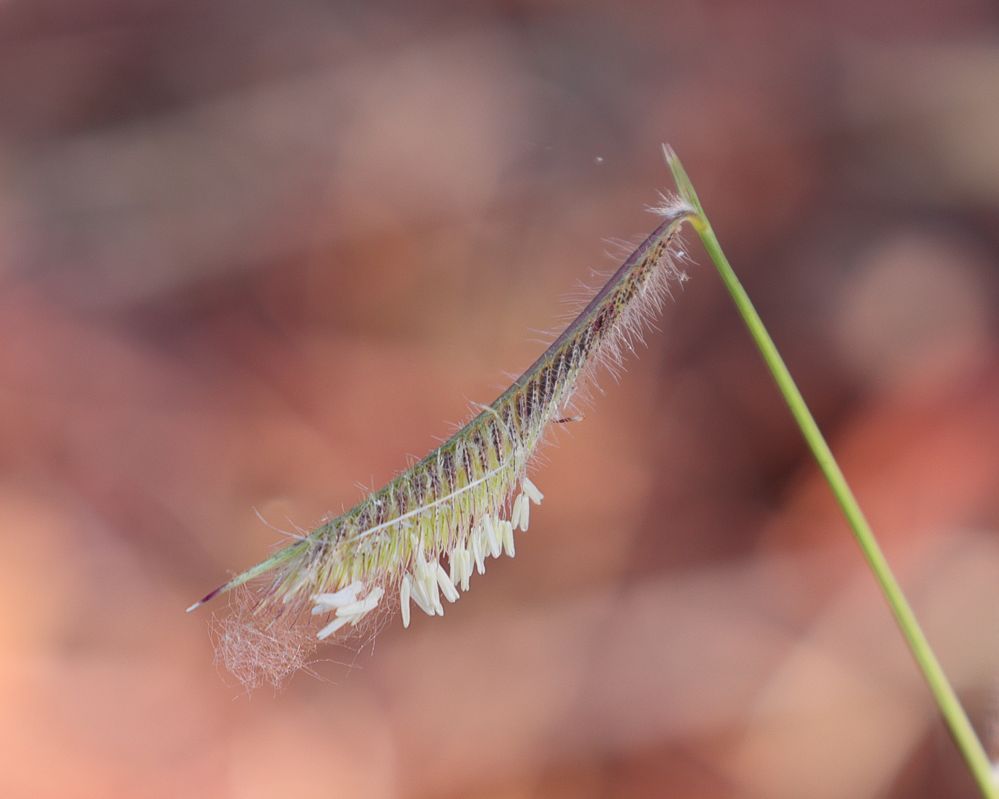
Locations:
421 537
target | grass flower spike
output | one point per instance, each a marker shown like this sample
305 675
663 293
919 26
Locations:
419 539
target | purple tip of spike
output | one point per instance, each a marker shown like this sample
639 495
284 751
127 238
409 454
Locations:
209 596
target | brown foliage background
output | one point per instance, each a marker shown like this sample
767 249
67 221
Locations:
252 254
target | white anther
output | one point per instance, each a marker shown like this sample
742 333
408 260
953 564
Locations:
532 491
492 536
404 591
332 627
458 559
466 569
432 592
525 515
428 582
506 530
421 599
479 548
518 505
345 596
461 564
357 610
425 579
447 587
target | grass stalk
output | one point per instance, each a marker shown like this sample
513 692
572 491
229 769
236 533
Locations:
943 693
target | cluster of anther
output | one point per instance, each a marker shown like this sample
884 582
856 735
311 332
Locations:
429 580
349 606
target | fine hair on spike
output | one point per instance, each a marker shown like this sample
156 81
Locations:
460 505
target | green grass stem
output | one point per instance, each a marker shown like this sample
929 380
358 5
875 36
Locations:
950 706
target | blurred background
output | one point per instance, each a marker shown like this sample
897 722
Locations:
252 255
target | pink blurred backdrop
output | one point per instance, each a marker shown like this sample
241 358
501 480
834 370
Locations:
252 255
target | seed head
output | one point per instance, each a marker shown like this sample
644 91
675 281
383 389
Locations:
464 502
